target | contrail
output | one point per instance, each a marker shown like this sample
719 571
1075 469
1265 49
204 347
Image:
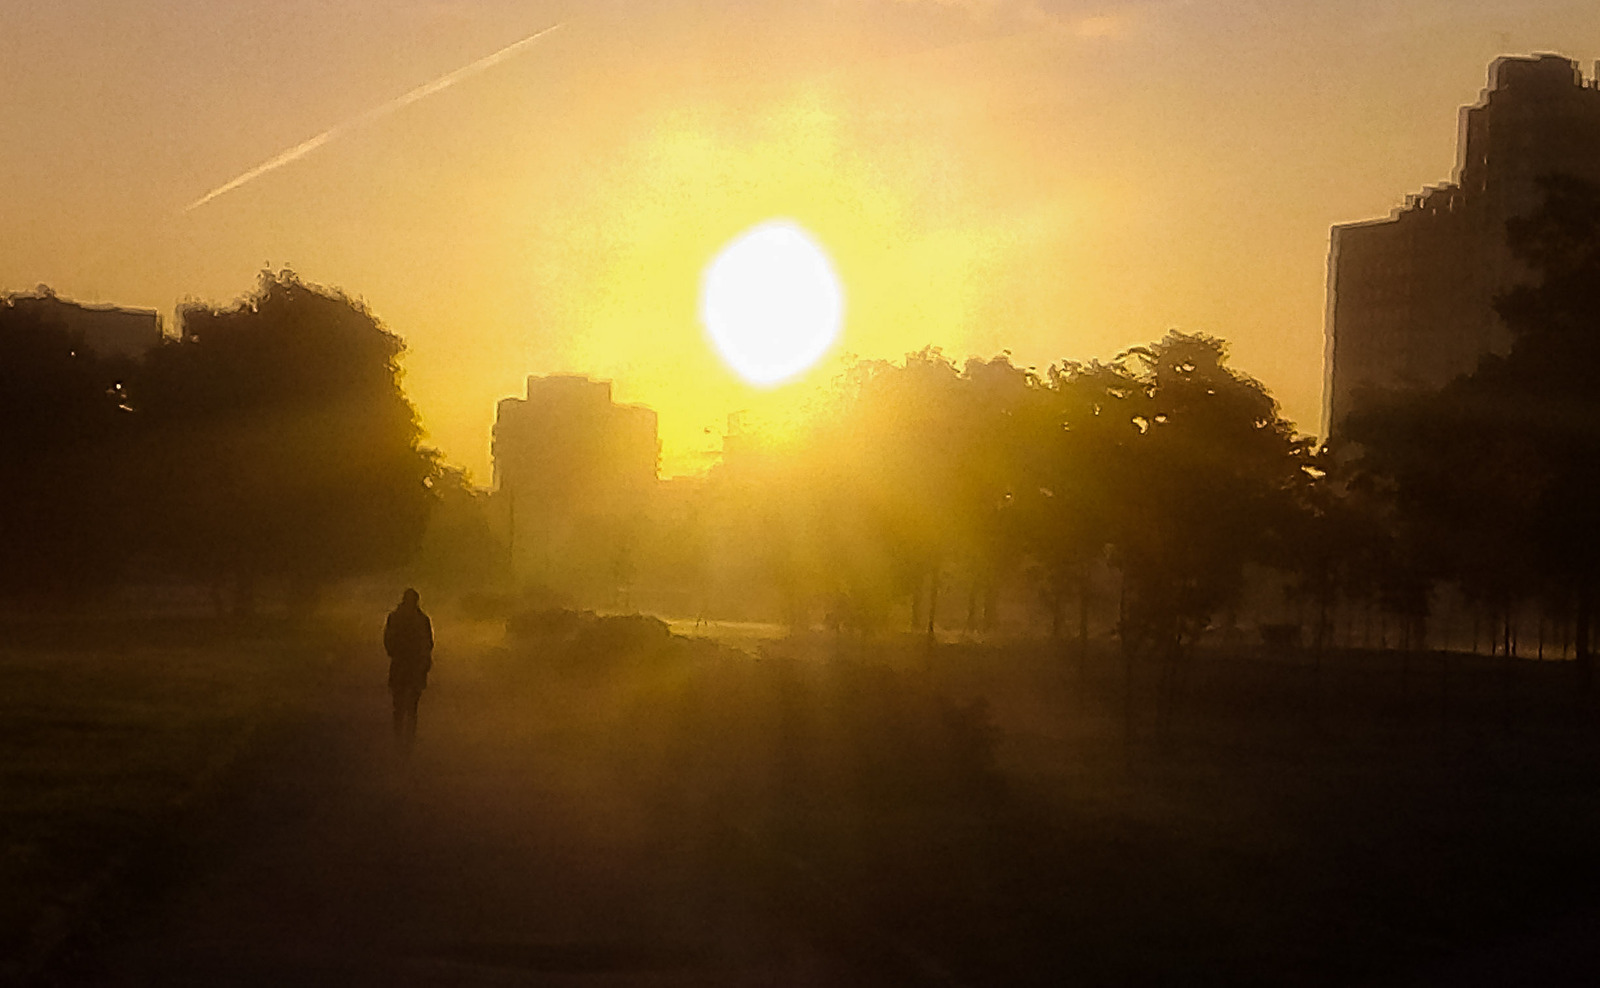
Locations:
382 110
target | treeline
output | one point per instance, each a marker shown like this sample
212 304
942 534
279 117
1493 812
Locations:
928 482
268 445
1492 483
1159 490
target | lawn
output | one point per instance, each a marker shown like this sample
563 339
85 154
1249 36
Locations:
966 813
1381 819
109 731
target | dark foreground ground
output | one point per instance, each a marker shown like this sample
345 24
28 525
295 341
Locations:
662 813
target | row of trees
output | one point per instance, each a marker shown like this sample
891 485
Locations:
1166 477
1491 482
270 442
1166 465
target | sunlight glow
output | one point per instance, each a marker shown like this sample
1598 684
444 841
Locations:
771 302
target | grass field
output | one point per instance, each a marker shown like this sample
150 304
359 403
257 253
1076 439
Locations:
960 815
1004 816
108 730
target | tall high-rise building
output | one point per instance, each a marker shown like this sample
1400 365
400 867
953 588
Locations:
567 442
1411 297
575 472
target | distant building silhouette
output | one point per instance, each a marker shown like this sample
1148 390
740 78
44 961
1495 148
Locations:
575 472
1411 297
105 330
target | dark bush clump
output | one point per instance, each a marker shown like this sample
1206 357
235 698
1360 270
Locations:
557 624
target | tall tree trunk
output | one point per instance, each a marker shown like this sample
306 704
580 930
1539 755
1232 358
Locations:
1322 623
1405 674
1508 658
1580 637
1166 694
972 605
1444 694
1083 621
1318 644
1127 674
917 603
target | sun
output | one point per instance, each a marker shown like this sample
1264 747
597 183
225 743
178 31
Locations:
771 302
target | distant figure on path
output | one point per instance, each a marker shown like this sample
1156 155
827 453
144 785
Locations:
408 638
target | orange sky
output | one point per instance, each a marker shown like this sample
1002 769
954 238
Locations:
1058 179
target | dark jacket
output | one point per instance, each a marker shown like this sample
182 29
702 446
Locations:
408 638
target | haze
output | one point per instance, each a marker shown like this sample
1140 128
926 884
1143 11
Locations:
1059 179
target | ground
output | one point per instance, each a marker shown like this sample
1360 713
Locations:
831 813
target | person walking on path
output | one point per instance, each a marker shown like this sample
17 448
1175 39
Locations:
408 638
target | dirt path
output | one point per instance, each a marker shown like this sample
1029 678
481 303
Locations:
498 853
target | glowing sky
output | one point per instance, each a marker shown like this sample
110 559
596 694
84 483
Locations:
1057 179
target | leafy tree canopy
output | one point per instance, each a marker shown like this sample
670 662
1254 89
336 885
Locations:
289 449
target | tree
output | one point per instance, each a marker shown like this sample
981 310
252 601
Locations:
1065 503
459 550
65 428
1495 474
1545 391
924 461
282 444
1198 484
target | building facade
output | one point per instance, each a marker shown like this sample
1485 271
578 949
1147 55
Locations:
107 331
574 473
1411 297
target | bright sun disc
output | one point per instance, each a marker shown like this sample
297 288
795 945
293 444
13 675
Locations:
771 302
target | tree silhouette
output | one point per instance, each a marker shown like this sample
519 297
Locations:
1497 470
65 426
282 445
1066 504
931 456
459 549
924 474
1203 479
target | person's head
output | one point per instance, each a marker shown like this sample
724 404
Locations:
410 598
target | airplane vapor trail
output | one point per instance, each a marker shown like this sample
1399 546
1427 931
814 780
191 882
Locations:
382 110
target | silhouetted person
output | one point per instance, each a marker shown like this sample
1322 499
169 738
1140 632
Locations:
408 638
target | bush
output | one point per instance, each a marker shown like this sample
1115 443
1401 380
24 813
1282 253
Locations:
583 640
482 606
623 634
556 623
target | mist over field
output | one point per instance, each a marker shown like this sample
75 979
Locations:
820 496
